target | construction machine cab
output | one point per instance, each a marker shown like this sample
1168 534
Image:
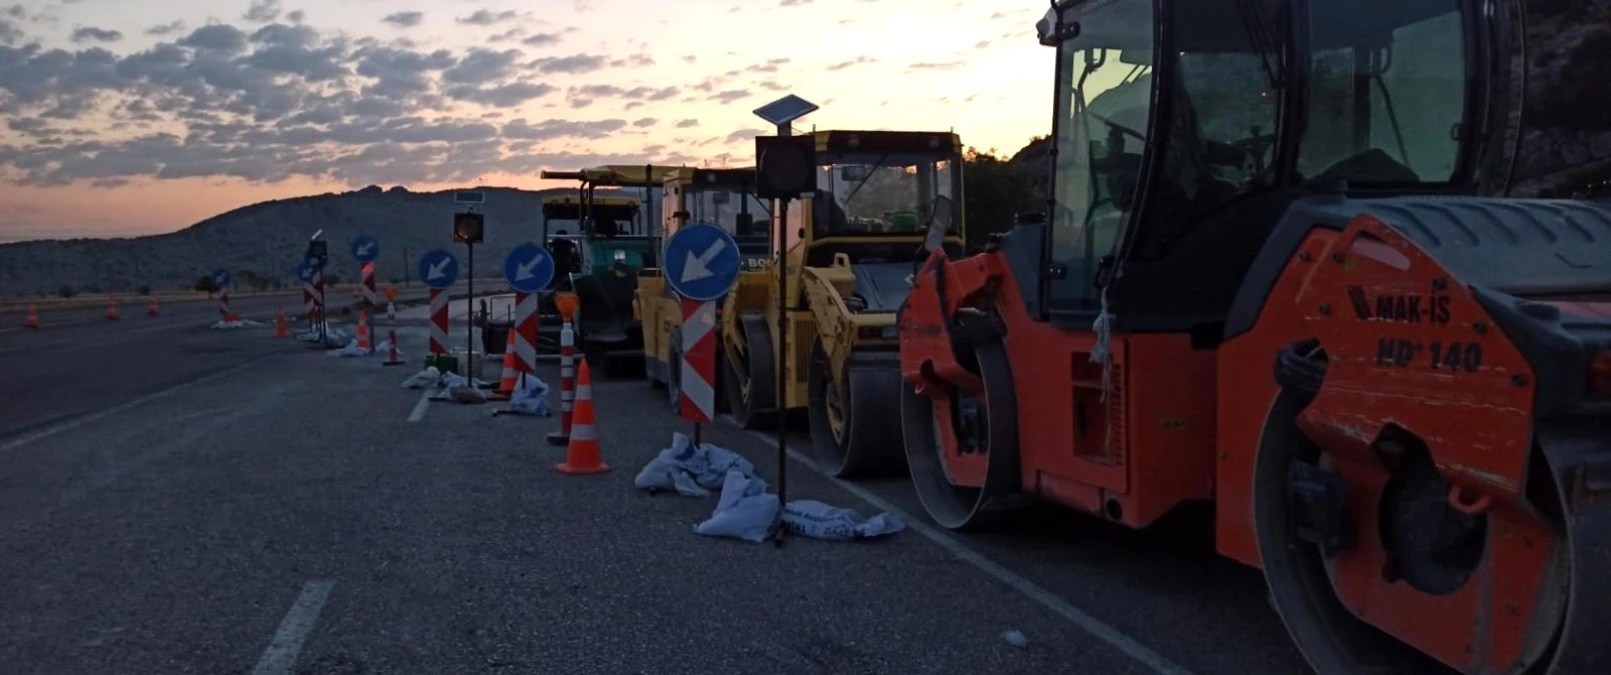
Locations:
1184 130
875 191
572 224
721 197
617 239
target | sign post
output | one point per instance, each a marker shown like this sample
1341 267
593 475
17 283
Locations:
785 169
439 270
702 265
366 249
315 261
469 229
304 274
528 269
221 279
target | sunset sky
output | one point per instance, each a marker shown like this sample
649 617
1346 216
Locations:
121 117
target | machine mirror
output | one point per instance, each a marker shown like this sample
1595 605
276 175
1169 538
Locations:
939 223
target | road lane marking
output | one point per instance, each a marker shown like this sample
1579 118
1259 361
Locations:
1029 589
420 408
77 422
280 656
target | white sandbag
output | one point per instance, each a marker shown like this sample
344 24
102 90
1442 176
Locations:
691 471
425 379
530 397
814 519
745 510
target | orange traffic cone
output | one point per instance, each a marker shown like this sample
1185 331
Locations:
280 328
511 375
582 454
111 310
32 322
151 307
363 332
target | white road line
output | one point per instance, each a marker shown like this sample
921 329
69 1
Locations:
1029 589
280 656
77 422
420 408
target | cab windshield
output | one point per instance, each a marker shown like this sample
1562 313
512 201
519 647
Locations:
731 209
1104 107
611 219
1387 91
881 193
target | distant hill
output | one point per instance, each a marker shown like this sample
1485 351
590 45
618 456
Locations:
267 239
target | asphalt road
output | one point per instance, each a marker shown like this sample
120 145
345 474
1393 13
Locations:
188 500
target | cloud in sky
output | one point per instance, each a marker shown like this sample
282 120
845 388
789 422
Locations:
404 19
131 101
91 34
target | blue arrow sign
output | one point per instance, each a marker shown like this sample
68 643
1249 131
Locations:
702 262
221 278
529 268
304 272
365 248
439 269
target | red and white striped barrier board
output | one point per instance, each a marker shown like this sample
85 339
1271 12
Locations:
318 295
526 332
439 321
698 361
368 287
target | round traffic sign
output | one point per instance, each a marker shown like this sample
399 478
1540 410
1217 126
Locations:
439 269
702 262
315 262
528 268
221 278
365 248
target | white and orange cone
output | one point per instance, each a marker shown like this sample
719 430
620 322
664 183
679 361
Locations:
32 322
511 374
582 455
363 333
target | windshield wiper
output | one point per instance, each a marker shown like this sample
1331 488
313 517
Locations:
1261 33
876 166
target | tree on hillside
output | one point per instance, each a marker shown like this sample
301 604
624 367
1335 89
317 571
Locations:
206 285
995 191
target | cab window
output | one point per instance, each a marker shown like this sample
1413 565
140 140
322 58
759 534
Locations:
1386 91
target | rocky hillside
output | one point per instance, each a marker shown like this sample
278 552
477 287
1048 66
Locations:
267 240
1565 123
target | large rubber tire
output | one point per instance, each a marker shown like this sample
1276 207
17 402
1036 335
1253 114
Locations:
951 506
758 369
867 442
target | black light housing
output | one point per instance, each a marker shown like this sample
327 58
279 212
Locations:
785 166
469 228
